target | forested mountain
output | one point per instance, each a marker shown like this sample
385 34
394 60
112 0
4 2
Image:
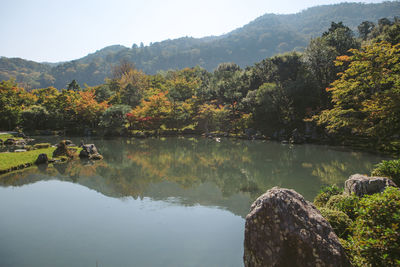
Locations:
266 36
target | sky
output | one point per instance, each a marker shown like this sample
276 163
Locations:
61 30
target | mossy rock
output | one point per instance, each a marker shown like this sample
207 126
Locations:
41 145
339 221
62 150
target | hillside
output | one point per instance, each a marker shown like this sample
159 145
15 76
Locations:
266 36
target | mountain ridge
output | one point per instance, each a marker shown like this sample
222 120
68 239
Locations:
265 36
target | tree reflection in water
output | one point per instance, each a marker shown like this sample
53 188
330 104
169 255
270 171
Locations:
189 171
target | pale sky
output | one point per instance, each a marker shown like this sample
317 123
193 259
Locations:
60 30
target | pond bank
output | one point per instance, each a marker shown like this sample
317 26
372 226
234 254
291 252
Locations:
11 161
40 154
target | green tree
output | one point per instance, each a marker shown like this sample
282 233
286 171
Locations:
74 86
365 28
272 108
114 118
35 118
103 93
321 53
366 97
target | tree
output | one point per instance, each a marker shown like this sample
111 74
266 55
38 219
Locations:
114 118
122 69
321 53
366 97
154 111
87 110
272 108
13 100
35 118
74 86
365 28
182 84
103 93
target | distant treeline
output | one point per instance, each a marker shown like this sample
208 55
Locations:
264 37
340 88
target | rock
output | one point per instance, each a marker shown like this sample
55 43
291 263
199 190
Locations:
42 159
21 135
62 150
90 151
20 150
364 185
297 137
283 229
96 157
250 133
20 142
68 142
140 135
10 141
41 145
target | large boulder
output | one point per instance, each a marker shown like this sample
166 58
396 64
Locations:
42 159
363 185
283 229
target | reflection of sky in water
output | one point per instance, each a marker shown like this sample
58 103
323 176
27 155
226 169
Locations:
56 223
156 202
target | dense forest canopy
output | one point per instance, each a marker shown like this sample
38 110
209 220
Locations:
342 88
264 37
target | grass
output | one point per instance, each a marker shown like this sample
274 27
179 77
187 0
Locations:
10 160
4 137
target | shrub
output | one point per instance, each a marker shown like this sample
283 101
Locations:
325 194
339 221
345 203
376 236
389 169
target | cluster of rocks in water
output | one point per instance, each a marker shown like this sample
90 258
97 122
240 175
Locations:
66 149
284 229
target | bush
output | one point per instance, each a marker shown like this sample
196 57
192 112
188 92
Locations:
389 169
376 236
325 194
339 221
344 203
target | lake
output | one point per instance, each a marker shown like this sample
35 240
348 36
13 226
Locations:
156 202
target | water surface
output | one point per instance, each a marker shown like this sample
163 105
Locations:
156 202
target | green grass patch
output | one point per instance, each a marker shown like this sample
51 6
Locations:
4 137
9 160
